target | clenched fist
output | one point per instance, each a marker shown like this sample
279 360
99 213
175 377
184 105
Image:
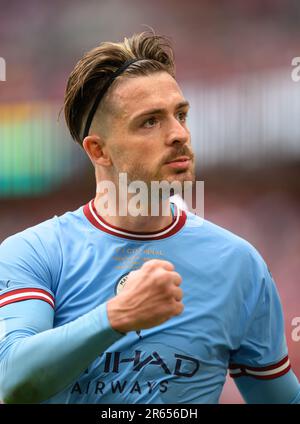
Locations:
150 297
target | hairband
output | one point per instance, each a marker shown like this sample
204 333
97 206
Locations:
108 83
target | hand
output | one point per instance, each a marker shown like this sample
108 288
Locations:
150 297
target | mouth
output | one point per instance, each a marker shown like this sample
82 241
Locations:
181 162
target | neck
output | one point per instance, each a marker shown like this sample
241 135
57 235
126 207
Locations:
122 216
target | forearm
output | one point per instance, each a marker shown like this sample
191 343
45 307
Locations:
34 368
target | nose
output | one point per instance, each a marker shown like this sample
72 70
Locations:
177 133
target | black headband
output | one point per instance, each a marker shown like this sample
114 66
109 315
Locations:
102 92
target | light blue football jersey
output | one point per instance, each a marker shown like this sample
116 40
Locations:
232 316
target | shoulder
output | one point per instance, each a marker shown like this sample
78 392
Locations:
226 247
242 267
45 233
210 232
34 256
38 247
33 237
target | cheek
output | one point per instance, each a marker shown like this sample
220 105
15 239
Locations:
135 154
124 160
119 153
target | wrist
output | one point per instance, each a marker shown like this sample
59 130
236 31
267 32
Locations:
116 317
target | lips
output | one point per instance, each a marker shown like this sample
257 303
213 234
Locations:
180 159
182 163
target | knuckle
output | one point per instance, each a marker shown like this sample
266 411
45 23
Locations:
169 291
169 265
132 274
177 278
179 308
160 276
152 264
179 293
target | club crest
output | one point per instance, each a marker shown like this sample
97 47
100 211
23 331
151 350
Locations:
121 283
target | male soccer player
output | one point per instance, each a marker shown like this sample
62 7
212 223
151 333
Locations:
136 309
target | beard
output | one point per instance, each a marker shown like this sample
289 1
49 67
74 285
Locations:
169 180
137 171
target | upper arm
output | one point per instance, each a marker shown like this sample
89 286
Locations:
284 389
32 257
260 366
27 301
30 265
26 274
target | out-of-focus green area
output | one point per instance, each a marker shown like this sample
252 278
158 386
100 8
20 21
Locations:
36 154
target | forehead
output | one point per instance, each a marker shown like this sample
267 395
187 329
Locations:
158 90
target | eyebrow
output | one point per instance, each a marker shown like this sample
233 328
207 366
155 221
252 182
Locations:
160 110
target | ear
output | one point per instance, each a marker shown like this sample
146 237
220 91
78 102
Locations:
96 150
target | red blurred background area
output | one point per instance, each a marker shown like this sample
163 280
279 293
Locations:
234 65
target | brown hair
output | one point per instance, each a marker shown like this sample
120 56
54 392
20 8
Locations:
97 66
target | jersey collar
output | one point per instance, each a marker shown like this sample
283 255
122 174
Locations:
98 222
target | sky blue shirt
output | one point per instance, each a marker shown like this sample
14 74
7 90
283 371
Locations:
56 341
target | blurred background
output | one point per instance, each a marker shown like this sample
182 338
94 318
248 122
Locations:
234 64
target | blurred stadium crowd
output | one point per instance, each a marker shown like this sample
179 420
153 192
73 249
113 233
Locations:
234 63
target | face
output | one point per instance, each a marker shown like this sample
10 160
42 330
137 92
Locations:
148 136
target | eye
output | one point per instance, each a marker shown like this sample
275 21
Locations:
182 116
150 122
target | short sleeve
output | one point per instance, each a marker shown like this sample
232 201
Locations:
263 351
29 266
